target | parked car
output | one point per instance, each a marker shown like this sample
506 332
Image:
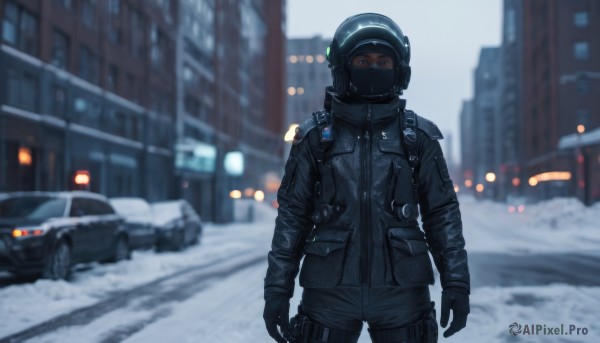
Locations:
515 204
178 225
46 233
138 221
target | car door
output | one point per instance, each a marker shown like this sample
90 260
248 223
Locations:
82 233
104 223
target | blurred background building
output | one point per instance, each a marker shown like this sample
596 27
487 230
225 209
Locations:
151 98
532 128
307 76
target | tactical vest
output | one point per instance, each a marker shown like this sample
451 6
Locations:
403 205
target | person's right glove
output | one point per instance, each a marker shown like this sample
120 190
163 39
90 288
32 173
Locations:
457 300
277 313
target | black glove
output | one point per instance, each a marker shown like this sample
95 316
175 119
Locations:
277 312
457 300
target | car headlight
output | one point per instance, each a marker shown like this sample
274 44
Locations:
25 232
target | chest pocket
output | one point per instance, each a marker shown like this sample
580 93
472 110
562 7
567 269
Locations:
401 195
331 181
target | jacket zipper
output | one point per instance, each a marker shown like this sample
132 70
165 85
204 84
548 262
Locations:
366 194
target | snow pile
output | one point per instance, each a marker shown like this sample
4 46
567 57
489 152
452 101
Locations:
564 213
560 225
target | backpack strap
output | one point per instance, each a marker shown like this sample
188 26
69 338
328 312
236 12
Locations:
409 137
410 122
408 128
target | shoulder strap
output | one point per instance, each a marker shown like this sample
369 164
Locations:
409 137
323 120
409 126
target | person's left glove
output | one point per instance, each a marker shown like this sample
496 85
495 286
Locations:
457 300
277 313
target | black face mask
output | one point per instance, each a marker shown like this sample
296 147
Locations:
372 82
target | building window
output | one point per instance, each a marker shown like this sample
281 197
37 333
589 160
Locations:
123 124
59 102
65 3
581 19
114 7
131 88
137 34
9 23
88 12
88 65
22 89
112 78
19 28
157 42
581 50
29 91
583 86
114 32
12 87
60 49
88 112
28 33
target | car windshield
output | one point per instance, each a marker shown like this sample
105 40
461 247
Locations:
32 207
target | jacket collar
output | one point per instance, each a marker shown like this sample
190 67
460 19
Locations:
355 112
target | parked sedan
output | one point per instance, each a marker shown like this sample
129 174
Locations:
138 221
46 233
178 225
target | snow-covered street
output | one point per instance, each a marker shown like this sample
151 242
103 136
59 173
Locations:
541 267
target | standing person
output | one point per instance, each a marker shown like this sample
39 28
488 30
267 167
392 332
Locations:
357 175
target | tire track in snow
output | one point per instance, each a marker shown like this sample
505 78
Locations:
176 286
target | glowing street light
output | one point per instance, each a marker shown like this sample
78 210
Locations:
291 132
259 196
479 188
533 181
580 128
490 177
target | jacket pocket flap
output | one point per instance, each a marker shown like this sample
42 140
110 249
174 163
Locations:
405 233
389 145
408 240
322 244
410 247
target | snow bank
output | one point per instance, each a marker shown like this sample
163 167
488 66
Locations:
564 214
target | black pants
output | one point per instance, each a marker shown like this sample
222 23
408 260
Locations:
347 309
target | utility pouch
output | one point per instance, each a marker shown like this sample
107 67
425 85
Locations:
298 324
430 331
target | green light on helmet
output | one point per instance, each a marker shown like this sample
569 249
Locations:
327 53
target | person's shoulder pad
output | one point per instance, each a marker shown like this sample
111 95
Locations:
429 128
309 124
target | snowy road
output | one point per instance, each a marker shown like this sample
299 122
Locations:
528 269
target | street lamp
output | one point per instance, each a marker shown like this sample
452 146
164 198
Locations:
490 177
581 165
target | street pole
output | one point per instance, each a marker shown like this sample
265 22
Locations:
581 184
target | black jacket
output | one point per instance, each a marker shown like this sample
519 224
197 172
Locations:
341 213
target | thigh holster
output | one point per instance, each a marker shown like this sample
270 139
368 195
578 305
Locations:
423 331
303 330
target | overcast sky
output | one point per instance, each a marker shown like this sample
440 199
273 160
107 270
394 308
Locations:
446 37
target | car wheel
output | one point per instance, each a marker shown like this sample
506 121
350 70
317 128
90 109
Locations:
122 251
59 262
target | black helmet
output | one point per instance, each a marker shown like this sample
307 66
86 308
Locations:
360 31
